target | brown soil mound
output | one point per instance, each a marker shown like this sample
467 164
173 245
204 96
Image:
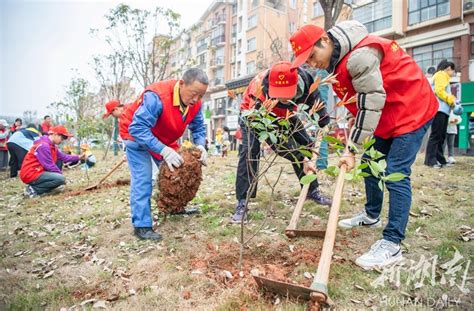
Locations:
177 188
275 261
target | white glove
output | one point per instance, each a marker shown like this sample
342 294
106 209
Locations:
203 157
172 158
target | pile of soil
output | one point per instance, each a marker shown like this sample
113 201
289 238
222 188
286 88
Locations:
177 188
274 261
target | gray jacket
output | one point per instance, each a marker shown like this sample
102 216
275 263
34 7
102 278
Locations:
364 67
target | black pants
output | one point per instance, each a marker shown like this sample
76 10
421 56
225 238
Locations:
435 148
17 154
249 155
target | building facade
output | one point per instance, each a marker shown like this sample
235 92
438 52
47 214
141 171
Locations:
235 39
429 30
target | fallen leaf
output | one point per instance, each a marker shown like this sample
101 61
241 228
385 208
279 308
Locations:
49 274
101 304
307 275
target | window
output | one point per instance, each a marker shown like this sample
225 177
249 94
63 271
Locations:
375 16
234 9
252 22
431 54
292 27
251 67
251 44
472 47
275 4
423 10
238 68
255 3
317 9
240 23
293 4
239 46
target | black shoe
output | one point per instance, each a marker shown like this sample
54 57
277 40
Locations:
147 234
187 211
317 197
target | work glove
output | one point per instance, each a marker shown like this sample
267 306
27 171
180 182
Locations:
203 157
172 158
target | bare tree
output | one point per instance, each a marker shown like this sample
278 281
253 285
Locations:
135 34
112 73
332 9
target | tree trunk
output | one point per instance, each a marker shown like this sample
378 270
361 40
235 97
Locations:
332 9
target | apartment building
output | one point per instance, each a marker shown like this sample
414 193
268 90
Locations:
235 39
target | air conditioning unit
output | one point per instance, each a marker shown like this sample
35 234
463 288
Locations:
468 5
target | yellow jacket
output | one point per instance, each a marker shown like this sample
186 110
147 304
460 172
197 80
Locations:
441 82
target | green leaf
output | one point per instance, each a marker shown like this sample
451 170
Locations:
380 185
374 168
273 138
307 179
363 166
364 174
263 136
332 140
332 171
395 177
382 165
306 153
368 144
349 176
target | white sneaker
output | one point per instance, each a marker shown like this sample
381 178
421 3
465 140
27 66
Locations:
382 253
451 160
360 220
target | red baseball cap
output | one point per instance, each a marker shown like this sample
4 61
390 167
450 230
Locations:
283 80
302 42
110 106
60 130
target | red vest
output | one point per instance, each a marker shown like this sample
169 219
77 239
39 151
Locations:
31 168
169 126
252 90
410 101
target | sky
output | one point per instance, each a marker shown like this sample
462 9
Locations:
42 41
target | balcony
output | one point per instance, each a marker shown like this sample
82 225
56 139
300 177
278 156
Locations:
218 40
217 82
201 48
217 61
220 19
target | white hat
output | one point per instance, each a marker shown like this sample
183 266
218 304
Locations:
4 122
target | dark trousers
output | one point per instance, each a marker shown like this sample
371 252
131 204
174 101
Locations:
435 147
3 160
400 153
17 154
47 182
249 156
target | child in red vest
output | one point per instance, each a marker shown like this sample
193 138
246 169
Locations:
39 170
152 126
284 84
395 105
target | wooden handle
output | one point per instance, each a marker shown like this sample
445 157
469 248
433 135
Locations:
322 275
304 191
298 208
111 171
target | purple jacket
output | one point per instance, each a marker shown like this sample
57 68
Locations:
45 158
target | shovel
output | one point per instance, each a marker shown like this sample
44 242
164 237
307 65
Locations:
318 291
95 186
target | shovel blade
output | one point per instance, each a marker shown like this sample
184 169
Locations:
92 187
284 289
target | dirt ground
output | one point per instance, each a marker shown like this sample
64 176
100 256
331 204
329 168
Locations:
76 250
